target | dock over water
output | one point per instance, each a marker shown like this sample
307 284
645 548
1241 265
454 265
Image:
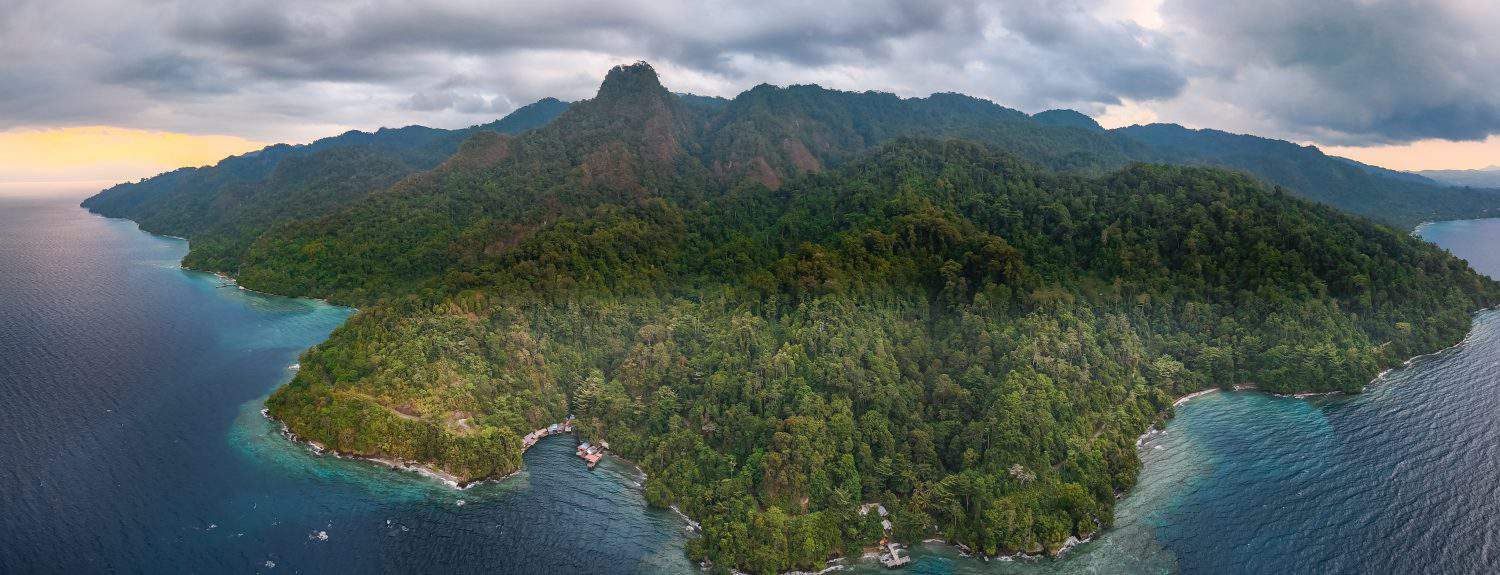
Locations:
590 453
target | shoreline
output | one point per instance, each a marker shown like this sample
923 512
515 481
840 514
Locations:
417 467
1153 430
1417 230
236 283
218 274
834 564
844 563
1306 394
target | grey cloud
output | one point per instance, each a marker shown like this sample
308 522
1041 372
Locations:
436 101
1117 59
1351 71
430 101
246 26
278 69
472 104
168 74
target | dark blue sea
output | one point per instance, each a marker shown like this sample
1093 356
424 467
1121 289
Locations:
131 441
131 438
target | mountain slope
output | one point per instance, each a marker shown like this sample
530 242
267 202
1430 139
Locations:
634 139
222 208
1068 118
1309 173
973 341
789 303
766 135
1485 178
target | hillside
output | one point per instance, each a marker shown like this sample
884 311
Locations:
635 139
1396 198
974 342
224 207
767 134
799 300
1484 178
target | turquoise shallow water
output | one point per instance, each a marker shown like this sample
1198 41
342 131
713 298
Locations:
132 439
1404 478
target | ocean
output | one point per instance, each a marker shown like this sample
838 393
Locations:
132 441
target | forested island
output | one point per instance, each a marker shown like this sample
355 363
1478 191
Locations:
799 300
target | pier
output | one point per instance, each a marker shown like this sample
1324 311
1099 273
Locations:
555 429
590 453
890 551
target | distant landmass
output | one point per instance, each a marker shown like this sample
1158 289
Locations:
793 303
225 207
1483 178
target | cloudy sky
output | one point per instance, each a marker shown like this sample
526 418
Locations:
122 89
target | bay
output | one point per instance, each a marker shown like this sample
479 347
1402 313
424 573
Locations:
1404 478
132 439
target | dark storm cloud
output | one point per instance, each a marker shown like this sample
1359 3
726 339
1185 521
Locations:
283 68
242 26
1351 71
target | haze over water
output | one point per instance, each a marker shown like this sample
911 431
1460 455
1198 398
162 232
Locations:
132 441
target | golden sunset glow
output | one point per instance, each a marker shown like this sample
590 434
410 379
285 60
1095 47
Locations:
108 153
1425 155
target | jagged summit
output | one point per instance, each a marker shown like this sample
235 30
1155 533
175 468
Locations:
628 80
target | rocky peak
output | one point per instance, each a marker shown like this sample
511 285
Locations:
630 82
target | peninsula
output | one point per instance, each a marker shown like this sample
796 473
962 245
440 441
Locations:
799 301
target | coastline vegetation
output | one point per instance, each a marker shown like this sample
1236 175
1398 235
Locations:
792 303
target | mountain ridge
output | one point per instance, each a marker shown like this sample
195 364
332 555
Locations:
222 208
800 300
1480 178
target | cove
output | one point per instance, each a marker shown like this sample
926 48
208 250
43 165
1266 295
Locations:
1404 478
133 441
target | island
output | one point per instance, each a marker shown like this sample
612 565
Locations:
795 304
